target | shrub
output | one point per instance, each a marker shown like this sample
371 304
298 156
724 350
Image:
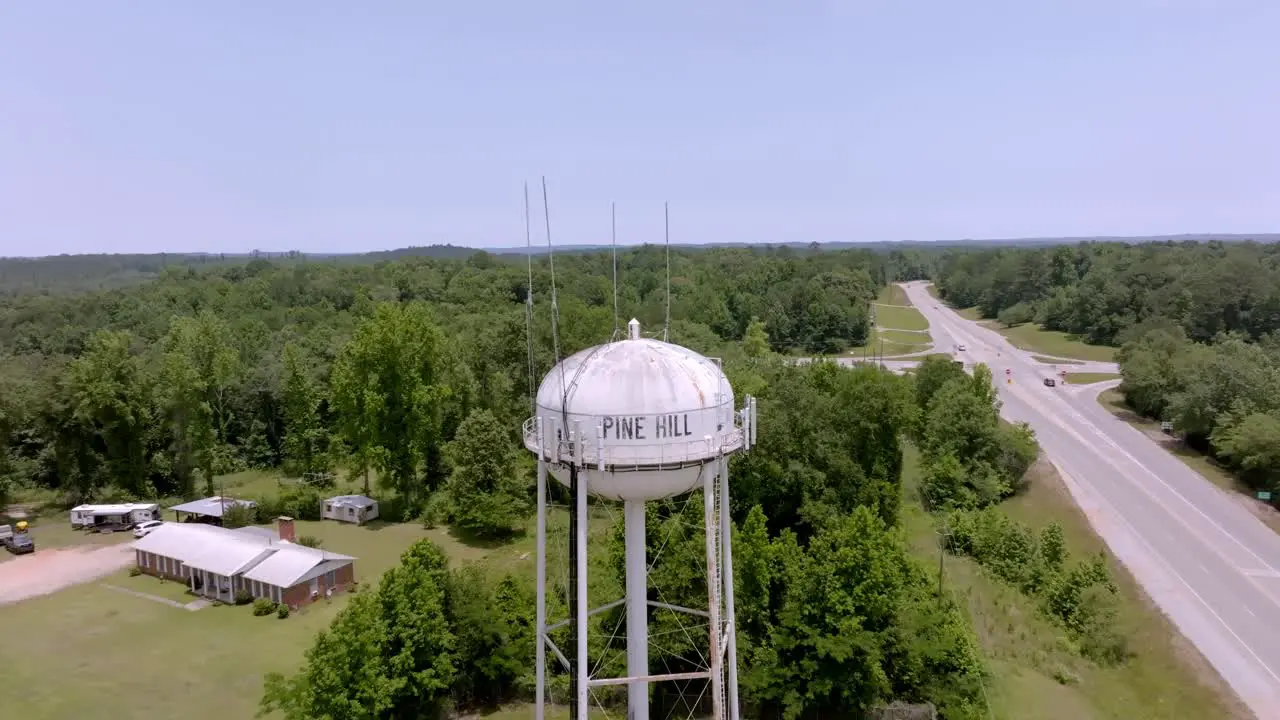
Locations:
238 516
243 597
282 612
263 606
310 541
135 571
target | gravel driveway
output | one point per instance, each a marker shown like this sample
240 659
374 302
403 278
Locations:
46 571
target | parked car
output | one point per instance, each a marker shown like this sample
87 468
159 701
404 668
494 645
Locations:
144 529
20 544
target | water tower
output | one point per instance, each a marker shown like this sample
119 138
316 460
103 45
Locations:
633 421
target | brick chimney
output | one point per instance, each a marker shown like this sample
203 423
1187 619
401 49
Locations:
285 526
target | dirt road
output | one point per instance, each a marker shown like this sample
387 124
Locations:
46 571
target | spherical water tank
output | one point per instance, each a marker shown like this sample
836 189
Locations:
641 418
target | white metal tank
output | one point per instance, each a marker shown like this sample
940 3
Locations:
641 418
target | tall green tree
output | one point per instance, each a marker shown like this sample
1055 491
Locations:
487 495
110 400
391 653
304 435
201 368
389 391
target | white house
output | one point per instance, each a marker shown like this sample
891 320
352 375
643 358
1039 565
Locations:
117 515
357 509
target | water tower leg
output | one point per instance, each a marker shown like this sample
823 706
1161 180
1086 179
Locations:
714 626
541 622
637 610
581 592
730 619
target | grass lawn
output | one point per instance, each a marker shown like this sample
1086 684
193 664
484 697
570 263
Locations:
933 291
889 343
1050 342
903 337
970 313
891 294
900 317
1055 361
209 664
1033 676
173 663
1089 378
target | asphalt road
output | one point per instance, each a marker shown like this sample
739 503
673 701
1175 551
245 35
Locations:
1208 563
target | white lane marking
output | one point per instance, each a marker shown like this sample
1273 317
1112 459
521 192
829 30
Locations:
1259 573
1100 498
1246 609
1086 424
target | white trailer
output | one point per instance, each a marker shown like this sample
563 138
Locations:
116 516
356 509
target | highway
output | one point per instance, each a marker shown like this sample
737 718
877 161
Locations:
1205 560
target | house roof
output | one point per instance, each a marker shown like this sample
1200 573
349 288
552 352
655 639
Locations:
205 547
291 563
255 531
352 501
113 508
211 506
256 554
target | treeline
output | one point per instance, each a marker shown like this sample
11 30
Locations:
1196 324
833 616
155 389
1224 397
1102 292
972 461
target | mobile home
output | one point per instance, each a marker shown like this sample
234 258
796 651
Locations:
356 509
113 516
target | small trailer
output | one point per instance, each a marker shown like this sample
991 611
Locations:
106 518
356 509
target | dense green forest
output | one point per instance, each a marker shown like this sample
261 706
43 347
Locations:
155 388
1196 324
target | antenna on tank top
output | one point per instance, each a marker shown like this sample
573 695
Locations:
666 231
528 303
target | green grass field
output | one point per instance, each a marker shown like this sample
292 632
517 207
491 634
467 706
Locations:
1033 676
898 317
209 664
891 294
1089 378
174 663
891 343
1055 361
904 337
1049 342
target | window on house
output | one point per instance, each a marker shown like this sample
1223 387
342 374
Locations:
328 507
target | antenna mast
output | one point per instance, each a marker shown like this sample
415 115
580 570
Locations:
578 688
666 230
528 302
613 239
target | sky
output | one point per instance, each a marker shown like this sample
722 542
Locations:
326 126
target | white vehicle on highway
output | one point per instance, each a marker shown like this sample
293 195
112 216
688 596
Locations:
144 529
961 347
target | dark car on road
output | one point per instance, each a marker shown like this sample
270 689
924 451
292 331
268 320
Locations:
20 544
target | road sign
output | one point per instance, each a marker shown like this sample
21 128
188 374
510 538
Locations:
1264 495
